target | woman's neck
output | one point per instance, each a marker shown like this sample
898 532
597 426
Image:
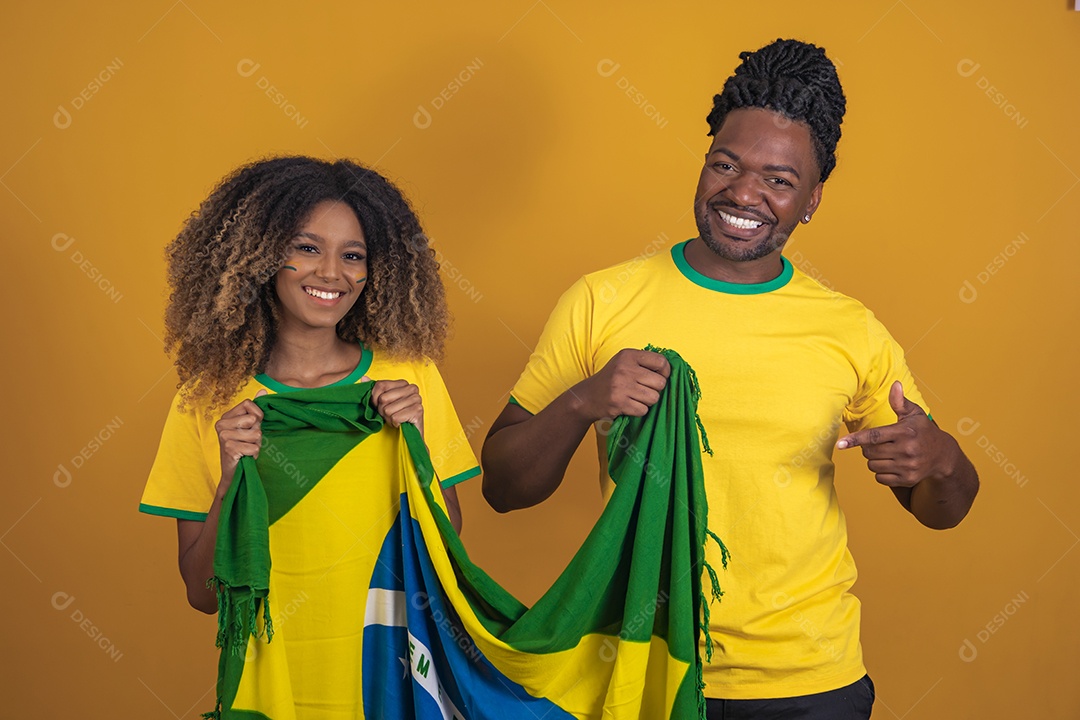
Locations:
311 357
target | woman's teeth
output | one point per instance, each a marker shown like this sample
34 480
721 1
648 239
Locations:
322 295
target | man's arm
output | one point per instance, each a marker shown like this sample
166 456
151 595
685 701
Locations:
923 464
525 456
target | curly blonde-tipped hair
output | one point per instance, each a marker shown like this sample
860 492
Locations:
221 319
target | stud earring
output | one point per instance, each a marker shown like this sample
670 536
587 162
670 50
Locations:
806 218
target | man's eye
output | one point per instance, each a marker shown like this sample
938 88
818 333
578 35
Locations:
779 181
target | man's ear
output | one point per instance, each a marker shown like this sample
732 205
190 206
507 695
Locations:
815 200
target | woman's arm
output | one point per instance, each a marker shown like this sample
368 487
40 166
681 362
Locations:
453 508
239 434
197 540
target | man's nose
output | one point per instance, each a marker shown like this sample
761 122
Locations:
744 190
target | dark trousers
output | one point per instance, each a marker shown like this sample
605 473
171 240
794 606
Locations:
853 702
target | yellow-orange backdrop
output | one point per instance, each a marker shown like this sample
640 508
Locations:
540 139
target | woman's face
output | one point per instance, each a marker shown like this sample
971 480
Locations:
325 267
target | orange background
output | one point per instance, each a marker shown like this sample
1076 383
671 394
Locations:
538 168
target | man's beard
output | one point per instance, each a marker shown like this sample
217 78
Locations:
774 239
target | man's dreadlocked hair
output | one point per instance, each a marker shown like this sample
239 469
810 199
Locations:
796 80
223 312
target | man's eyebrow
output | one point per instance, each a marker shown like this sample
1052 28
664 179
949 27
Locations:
783 168
727 152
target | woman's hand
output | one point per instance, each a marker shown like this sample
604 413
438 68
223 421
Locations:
398 402
239 433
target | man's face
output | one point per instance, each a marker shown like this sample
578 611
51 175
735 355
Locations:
759 180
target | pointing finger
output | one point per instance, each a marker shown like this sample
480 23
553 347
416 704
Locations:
873 436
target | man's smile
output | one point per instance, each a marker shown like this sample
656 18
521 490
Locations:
741 224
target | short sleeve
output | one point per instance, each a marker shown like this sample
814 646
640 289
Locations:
883 366
181 484
563 355
448 443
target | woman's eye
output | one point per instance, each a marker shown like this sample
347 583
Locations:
355 257
307 248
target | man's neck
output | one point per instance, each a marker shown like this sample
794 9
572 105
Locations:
749 272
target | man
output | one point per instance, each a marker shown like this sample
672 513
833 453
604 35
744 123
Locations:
783 362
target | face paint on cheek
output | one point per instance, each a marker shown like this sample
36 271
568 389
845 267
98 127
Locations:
290 267
360 280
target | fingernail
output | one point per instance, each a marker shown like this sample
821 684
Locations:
842 444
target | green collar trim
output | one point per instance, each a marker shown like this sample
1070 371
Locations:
678 254
351 379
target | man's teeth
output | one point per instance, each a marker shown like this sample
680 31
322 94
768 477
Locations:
322 295
740 222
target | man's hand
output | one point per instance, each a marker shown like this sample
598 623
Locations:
629 384
908 451
922 463
525 456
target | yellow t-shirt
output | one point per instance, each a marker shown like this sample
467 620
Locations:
782 366
323 550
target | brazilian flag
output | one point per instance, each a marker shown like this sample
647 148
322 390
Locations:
615 637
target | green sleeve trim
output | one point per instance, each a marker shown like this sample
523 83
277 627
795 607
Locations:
929 416
460 477
514 401
172 512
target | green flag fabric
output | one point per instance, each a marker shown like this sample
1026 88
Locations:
616 636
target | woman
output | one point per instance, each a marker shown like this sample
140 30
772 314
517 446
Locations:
298 273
